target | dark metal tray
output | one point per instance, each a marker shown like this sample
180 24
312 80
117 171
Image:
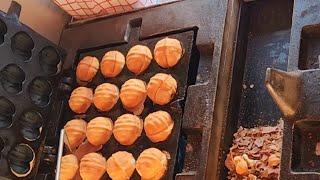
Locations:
175 108
28 53
263 38
197 129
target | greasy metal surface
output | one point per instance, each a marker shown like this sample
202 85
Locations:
22 101
175 108
208 17
267 46
302 125
297 95
305 13
305 155
262 41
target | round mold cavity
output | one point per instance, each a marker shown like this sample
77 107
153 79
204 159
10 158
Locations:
50 60
31 125
21 160
39 91
11 78
3 31
7 110
22 45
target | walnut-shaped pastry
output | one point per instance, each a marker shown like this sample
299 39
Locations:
87 69
168 52
105 96
138 59
69 167
158 126
80 99
133 93
121 165
127 128
76 132
92 166
152 164
162 88
99 130
112 64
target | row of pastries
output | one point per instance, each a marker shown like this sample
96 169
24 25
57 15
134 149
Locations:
167 54
150 165
126 129
160 89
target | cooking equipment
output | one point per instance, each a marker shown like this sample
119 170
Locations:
175 108
180 19
29 63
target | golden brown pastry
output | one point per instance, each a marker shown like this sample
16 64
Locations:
138 59
99 130
92 166
80 99
152 164
162 88
133 93
87 68
167 52
112 64
69 167
158 126
76 132
105 96
121 165
127 128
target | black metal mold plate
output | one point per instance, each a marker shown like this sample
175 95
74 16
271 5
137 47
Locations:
298 145
22 101
175 108
209 16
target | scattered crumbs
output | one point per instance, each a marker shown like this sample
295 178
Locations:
256 145
244 86
251 86
317 152
311 163
189 148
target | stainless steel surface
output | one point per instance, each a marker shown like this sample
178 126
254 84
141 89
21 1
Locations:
60 152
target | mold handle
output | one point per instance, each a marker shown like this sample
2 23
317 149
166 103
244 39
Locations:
14 9
284 88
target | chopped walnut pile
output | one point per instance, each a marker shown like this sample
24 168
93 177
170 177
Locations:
255 153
